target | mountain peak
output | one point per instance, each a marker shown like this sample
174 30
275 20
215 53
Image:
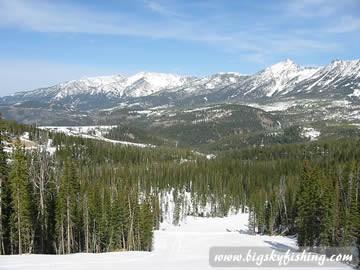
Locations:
232 73
287 61
281 66
146 83
337 61
151 73
147 73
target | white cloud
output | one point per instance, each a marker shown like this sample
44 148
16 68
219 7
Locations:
42 16
347 24
260 42
311 8
160 8
257 58
49 17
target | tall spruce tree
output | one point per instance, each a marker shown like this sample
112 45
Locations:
119 221
309 204
66 203
20 198
146 226
353 214
4 191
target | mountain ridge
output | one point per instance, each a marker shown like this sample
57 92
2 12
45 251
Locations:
283 79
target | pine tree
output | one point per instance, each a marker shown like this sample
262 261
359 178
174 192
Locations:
352 226
119 221
20 198
156 212
146 226
66 203
327 214
4 190
309 205
40 168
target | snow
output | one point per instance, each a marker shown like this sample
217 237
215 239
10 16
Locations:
346 67
49 148
310 133
149 113
335 72
175 247
271 107
91 132
207 84
25 136
9 147
147 83
208 156
327 109
144 112
356 93
340 103
140 84
198 109
279 78
90 85
211 116
275 80
317 81
212 113
233 73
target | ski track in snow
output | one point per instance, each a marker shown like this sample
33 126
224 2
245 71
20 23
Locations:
175 247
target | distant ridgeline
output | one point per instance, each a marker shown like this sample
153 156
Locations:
94 196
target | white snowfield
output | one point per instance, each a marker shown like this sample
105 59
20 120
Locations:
310 133
91 132
175 247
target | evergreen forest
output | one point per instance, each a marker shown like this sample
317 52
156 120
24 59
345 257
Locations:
93 196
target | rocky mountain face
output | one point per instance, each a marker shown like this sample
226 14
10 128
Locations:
276 80
338 79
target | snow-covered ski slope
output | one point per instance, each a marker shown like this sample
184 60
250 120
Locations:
175 247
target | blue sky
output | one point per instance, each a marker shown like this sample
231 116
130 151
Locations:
46 42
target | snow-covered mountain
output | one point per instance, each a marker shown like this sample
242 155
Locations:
339 78
210 83
147 83
284 79
275 80
102 90
107 85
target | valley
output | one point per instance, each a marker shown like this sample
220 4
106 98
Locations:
176 165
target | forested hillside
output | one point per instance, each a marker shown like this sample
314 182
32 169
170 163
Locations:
92 196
